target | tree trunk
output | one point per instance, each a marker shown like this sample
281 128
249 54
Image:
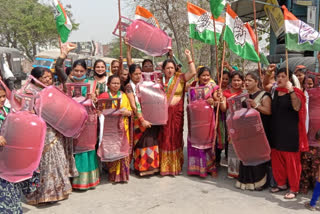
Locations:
174 32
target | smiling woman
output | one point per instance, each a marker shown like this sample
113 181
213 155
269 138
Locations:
171 135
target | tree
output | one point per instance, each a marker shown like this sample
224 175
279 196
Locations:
27 25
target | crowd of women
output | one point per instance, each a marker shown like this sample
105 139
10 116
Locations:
279 96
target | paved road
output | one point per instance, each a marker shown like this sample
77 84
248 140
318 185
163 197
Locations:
165 195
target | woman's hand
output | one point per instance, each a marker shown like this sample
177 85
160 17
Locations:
252 103
146 124
170 54
210 101
188 54
66 48
270 69
289 86
124 112
227 66
3 141
125 40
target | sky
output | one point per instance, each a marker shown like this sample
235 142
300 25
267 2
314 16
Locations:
97 19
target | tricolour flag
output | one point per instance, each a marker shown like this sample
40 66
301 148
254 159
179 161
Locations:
201 25
299 35
145 15
217 7
240 37
63 22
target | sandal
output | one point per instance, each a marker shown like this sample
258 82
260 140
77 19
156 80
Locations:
293 195
309 207
278 189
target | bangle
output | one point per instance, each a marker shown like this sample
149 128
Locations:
141 119
190 62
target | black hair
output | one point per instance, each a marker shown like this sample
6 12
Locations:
95 65
284 70
164 64
133 67
80 62
317 135
313 78
68 70
145 61
111 78
227 72
237 73
38 72
255 75
114 61
302 70
98 61
203 69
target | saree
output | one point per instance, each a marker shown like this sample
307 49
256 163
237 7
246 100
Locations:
255 177
145 144
171 135
54 172
201 161
233 161
119 170
87 166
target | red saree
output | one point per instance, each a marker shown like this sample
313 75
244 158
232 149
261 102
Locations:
171 135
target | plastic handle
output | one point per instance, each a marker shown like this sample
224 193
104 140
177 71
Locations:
235 103
79 86
152 76
23 88
196 94
108 103
26 102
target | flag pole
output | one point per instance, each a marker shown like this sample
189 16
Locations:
120 35
192 49
287 63
256 32
216 46
218 107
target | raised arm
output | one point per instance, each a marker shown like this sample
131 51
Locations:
269 77
192 69
129 57
64 51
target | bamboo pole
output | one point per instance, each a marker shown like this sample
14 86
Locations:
287 63
256 32
120 36
216 47
192 49
218 107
